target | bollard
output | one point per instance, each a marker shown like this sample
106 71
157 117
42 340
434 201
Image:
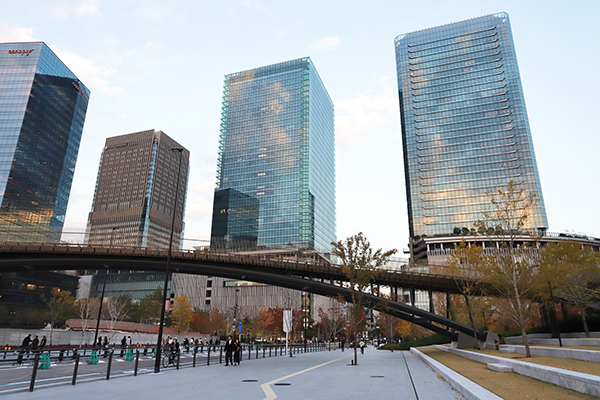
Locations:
93 358
264 351
61 355
194 359
75 369
44 361
137 360
34 372
110 355
257 352
129 355
270 348
208 357
178 357
249 351
221 355
145 351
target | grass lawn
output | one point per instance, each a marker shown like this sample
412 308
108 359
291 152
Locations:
586 367
508 385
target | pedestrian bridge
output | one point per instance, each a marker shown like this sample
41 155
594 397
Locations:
315 275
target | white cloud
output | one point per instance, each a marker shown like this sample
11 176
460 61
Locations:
15 34
257 5
91 74
360 116
326 43
87 7
63 9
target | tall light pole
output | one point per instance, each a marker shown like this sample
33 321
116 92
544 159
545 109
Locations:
112 234
165 288
235 312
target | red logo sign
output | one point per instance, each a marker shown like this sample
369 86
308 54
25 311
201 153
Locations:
21 52
78 89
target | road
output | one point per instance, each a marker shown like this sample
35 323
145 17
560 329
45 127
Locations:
317 375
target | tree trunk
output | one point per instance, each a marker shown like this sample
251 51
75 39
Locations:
472 320
521 317
585 325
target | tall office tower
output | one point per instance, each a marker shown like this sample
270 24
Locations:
141 179
276 161
141 182
42 111
464 124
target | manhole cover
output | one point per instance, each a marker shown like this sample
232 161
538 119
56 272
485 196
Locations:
377 376
282 384
249 380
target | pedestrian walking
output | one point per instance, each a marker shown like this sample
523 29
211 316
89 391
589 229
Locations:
229 348
123 345
237 352
26 343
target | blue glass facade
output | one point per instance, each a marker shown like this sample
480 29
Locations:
464 124
42 111
277 146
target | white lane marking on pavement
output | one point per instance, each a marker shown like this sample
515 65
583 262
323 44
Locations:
266 387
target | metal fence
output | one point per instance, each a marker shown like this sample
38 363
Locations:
67 365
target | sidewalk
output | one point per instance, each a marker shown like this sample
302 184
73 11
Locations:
319 375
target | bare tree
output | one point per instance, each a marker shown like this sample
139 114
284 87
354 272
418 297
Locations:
359 263
117 308
60 302
86 309
512 268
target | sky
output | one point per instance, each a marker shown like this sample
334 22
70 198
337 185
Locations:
160 64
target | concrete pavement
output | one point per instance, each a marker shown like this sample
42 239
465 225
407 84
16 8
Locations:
318 375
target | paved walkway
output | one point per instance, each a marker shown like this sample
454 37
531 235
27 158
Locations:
319 375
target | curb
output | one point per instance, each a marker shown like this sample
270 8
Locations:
464 386
580 382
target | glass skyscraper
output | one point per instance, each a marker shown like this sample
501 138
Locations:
464 124
42 111
276 160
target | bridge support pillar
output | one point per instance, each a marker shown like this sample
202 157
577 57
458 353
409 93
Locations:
412 296
468 342
431 308
448 305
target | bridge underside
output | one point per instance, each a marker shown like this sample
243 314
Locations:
52 261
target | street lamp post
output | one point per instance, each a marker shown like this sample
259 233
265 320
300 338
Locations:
165 288
235 312
100 311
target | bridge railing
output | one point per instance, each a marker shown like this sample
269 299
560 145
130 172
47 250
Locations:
291 259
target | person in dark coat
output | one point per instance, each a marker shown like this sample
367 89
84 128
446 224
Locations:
229 349
43 343
237 352
34 343
123 345
26 343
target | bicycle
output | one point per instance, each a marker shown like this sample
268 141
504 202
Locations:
169 359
